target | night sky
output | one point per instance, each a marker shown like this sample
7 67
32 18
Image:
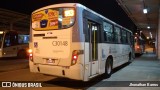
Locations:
108 8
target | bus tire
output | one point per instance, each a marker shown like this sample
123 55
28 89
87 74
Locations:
108 68
21 54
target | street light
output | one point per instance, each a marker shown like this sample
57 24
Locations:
145 11
148 27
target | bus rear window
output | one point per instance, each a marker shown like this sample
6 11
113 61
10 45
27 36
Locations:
53 18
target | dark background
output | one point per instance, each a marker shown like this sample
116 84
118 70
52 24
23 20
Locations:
108 8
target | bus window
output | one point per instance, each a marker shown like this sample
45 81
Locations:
53 18
124 37
14 39
129 38
11 39
108 32
22 39
117 34
7 42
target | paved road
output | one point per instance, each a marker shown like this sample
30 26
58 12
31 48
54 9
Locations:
143 68
10 64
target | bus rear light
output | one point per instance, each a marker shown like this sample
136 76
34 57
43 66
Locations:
30 54
30 51
74 57
137 47
74 62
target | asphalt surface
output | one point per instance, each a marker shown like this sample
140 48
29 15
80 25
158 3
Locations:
144 69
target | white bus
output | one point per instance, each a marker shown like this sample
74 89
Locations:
69 40
13 44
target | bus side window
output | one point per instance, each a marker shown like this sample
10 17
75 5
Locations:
7 41
108 32
14 39
117 35
124 36
11 39
128 38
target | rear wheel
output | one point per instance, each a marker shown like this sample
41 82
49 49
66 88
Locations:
108 68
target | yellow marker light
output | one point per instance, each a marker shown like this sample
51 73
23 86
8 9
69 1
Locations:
69 13
30 51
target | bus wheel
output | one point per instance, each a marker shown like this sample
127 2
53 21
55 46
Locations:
108 68
21 54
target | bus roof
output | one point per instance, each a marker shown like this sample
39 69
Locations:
80 6
56 5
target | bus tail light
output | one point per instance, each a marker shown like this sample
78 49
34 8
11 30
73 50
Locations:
74 57
30 51
137 47
30 54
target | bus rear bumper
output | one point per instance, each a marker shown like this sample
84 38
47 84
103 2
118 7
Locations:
72 72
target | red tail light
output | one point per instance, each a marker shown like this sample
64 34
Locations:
30 54
74 57
137 47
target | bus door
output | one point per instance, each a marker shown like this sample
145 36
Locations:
93 29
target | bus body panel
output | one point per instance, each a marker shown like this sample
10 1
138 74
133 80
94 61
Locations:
73 72
120 54
12 51
58 49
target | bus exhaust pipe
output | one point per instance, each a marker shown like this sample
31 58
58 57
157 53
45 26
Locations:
63 72
38 69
